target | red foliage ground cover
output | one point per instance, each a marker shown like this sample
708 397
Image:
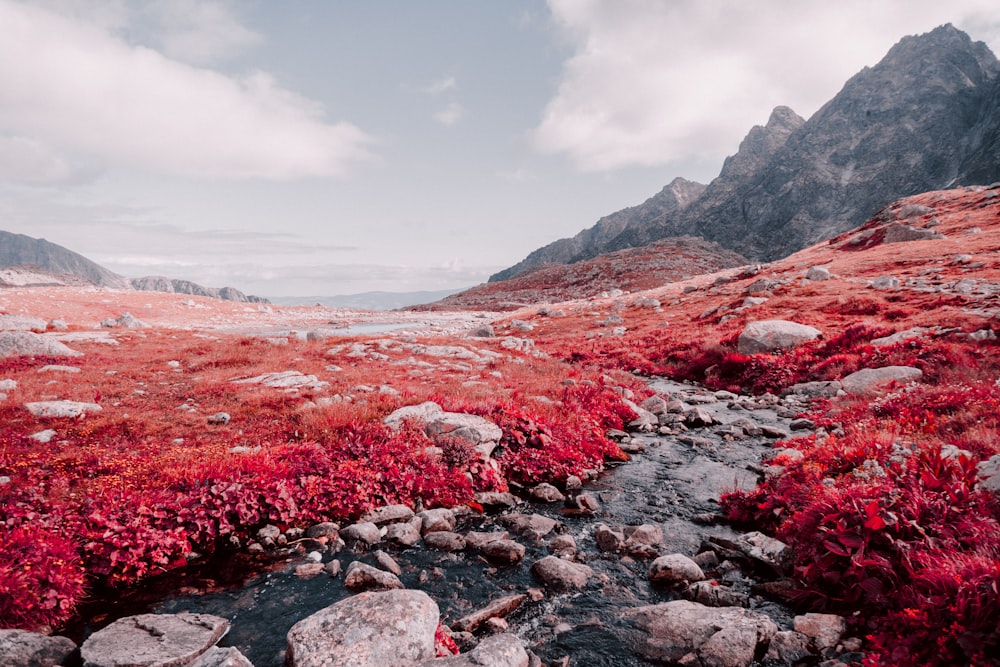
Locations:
135 489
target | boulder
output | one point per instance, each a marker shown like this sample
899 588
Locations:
478 431
690 633
20 648
499 608
563 546
444 540
500 499
403 534
530 525
388 514
22 323
503 650
26 343
222 657
824 629
988 473
502 552
362 577
54 409
547 493
818 273
160 640
766 336
561 575
788 648
608 539
674 569
868 379
367 630
365 532
436 520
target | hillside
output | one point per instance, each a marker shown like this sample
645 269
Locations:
923 118
18 250
627 270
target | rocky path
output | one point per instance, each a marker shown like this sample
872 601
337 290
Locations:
631 567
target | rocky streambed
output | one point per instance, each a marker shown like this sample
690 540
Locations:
629 568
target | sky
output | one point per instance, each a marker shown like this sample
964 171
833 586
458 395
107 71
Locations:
325 147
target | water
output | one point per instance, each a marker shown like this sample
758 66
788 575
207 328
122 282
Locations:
671 484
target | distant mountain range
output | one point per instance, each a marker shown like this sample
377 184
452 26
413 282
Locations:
64 266
926 117
366 300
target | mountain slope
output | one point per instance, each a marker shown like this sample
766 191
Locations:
21 250
675 196
665 261
925 117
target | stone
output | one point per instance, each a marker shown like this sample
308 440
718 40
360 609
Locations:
868 379
436 520
403 534
20 648
712 594
125 321
903 233
530 525
988 472
824 629
900 336
163 640
608 539
563 546
221 657
58 409
503 552
387 563
547 493
684 632
586 502
44 436
885 282
306 570
788 648
698 417
367 630
644 534
444 540
477 540
388 514
325 530
219 418
22 323
764 336
818 273
365 532
502 650
26 343
363 577
499 608
674 569
478 431
501 499
561 575
816 389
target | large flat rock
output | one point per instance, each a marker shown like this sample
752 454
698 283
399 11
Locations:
153 640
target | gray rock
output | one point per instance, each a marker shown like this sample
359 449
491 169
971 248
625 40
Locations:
988 472
387 563
362 577
692 634
885 282
126 321
444 540
898 337
219 418
674 569
547 493
404 534
388 514
325 530
222 657
22 323
478 431
904 233
58 409
561 575
608 539
501 499
365 532
160 640
713 594
824 629
563 546
773 335
698 417
367 630
26 343
499 608
503 650
530 525
868 379
644 534
477 540
503 552
20 648
818 273
788 648
438 519
817 389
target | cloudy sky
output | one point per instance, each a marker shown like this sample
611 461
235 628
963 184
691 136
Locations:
313 148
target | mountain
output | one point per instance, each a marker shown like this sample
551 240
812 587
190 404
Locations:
591 242
633 269
18 250
175 286
924 118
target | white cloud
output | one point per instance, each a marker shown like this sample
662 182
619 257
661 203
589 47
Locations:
450 115
74 86
439 86
653 82
200 32
27 161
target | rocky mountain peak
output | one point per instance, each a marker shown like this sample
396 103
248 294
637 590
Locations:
761 143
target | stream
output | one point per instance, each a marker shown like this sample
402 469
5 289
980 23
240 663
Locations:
674 483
